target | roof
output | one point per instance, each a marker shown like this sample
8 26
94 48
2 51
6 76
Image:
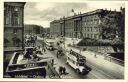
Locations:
85 14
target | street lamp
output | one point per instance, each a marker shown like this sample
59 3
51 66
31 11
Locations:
64 42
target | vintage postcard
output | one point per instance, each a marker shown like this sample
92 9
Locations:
64 40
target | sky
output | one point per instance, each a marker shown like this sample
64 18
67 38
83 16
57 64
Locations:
41 13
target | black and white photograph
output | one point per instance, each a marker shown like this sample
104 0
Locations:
69 40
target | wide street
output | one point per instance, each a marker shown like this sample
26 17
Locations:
101 69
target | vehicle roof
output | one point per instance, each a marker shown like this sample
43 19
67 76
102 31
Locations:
77 54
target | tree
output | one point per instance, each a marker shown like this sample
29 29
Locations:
117 44
111 24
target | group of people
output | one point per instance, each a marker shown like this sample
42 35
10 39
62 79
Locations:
41 49
62 70
60 53
30 53
30 40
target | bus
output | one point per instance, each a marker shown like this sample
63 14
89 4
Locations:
77 62
50 44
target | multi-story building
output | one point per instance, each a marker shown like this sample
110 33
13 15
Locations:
91 24
13 25
73 26
87 25
55 30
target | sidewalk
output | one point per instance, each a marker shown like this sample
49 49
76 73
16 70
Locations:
109 58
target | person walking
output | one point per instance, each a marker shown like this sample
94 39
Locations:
95 55
60 70
57 54
64 70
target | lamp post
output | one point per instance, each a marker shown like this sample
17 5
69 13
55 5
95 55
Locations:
64 41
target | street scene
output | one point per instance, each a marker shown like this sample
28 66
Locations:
64 40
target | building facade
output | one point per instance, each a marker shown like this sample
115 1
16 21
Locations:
13 25
55 30
87 25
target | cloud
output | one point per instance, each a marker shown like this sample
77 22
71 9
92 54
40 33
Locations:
42 13
44 6
107 5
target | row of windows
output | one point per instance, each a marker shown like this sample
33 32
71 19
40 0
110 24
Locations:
69 34
13 17
91 29
77 23
71 60
69 24
92 22
13 31
96 36
14 22
91 19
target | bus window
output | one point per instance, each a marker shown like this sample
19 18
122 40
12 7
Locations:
82 60
81 64
73 62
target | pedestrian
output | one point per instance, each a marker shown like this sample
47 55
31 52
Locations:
64 70
57 54
95 55
44 50
60 70
71 51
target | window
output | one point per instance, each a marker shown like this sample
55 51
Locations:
91 35
85 23
88 28
88 35
7 20
95 36
14 31
15 9
15 19
91 29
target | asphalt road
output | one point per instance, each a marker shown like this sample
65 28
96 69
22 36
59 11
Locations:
97 72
